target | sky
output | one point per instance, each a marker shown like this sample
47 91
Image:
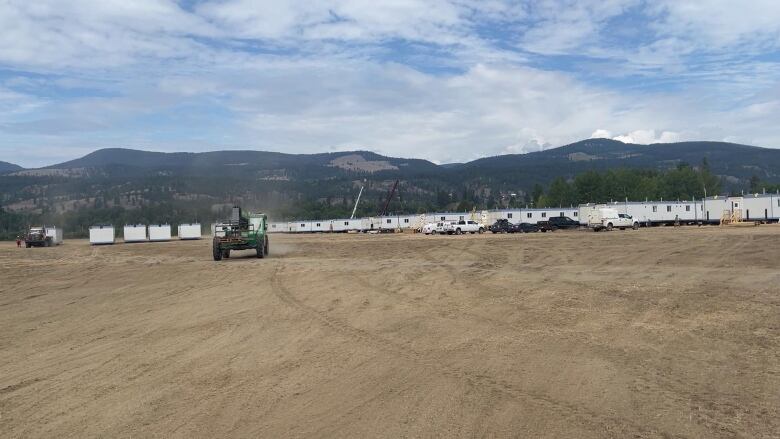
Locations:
443 80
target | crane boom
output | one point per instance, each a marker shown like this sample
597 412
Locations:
354 209
383 212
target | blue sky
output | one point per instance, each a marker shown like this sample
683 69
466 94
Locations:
445 80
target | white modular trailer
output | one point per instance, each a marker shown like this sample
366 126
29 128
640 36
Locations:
277 227
408 222
347 225
189 231
660 212
514 216
342 225
534 215
714 207
389 222
450 216
761 207
369 224
300 226
159 232
55 233
339 225
320 226
101 234
134 233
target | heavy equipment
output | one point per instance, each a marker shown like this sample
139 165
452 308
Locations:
42 236
244 231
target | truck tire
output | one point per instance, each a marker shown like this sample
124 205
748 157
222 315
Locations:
609 227
481 230
457 231
635 226
216 251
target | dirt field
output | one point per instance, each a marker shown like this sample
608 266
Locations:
650 333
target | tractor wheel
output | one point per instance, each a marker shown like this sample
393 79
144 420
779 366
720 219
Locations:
260 250
226 254
266 247
216 251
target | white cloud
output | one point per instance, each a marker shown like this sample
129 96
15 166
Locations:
470 79
646 137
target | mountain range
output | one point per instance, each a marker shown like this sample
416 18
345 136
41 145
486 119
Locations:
310 184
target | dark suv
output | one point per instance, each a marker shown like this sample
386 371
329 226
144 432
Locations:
503 226
558 222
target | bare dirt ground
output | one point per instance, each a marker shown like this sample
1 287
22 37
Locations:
650 333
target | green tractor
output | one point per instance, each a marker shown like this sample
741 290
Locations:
244 231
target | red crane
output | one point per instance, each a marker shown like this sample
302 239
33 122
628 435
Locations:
383 212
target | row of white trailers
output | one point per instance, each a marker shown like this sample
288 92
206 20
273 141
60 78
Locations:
754 207
410 222
106 234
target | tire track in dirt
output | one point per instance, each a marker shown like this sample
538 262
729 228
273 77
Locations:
435 365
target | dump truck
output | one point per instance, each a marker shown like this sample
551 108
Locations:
42 236
244 231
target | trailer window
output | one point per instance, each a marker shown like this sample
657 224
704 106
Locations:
388 221
318 225
575 213
687 208
509 215
346 223
303 225
443 218
544 214
529 214
406 220
655 208
668 208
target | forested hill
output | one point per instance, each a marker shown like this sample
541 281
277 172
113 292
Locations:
736 163
6 167
125 185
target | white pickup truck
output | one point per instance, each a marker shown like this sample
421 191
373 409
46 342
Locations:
467 226
607 219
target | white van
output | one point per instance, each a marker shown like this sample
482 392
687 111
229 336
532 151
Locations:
606 218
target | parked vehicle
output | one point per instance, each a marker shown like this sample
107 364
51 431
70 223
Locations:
429 228
439 228
526 228
503 226
42 236
467 226
607 218
558 222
